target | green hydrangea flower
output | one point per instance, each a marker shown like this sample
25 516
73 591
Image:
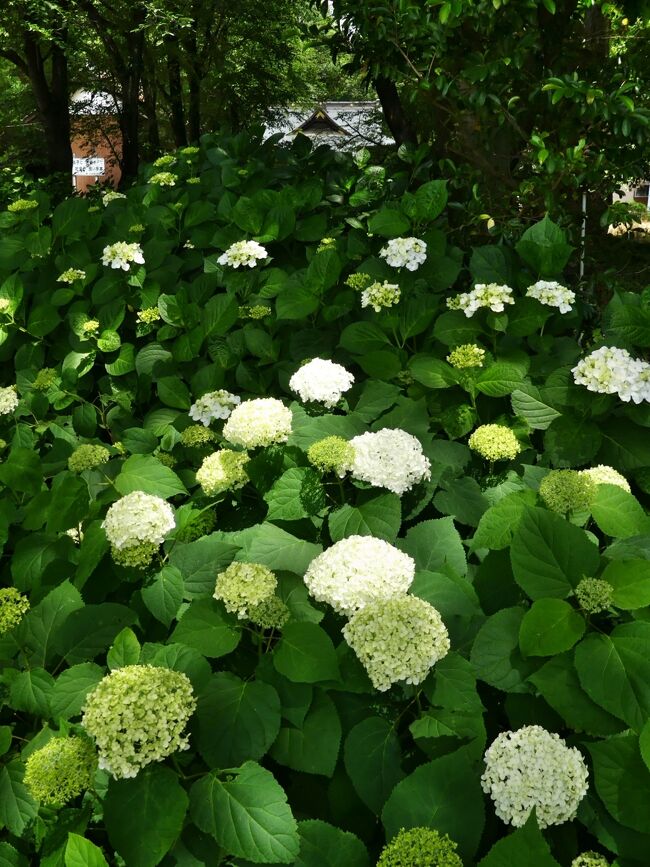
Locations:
136 228
221 471
326 244
380 295
271 613
90 326
417 847
13 607
167 460
196 435
590 859
567 491
149 315
137 715
331 455
254 311
358 282
163 179
134 556
87 457
495 442
189 151
22 205
594 595
45 378
71 275
204 523
467 355
61 770
242 586
164 161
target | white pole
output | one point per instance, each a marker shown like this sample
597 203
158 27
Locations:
583 234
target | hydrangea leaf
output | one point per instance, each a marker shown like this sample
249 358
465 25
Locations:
144 815
495 652
525 845
313 747
80 852
622 780
498 524
550 626
164 595
435 545
373 761
305 654
146 473
199 562
125 650
17 807
618 513
248 815
71 688
373 515
323 845
208 628
631 582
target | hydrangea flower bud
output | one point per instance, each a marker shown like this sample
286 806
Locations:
196 435
61 770
416 847
271 613
45 378
566 491
594 595
467 355
137 715
590 859
71 275
495 442
331 454
134 556
163 179
380 295
243 586
13 607
87 457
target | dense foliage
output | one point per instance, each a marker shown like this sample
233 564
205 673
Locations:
263 611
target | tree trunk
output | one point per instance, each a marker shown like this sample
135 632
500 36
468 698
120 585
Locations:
150 96
130 109
52 100
394 113
175 99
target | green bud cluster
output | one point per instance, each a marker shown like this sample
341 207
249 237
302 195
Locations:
167 460
271 613
566 491
134 556
467 355
197 435
494 442
164 161
332 454
163 179
22 205
87 457
254 311
45 378
149 315
90 326
204 523
13 607
61 770
594 595
590 859
358 282
417 847
71 275
242 586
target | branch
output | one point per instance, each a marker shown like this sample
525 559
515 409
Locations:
15 58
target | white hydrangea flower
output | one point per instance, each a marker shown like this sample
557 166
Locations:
359 570
552 294
532 767
9 400
321 381
137 715
389 458
242 586
259 422
610 370
121 255
490 295
244 253
380 295
224 470
397 639
111 196
407 253
213 405
604 475
137 518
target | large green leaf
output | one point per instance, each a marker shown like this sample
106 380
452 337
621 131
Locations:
550 626
277 549
631 582
499 523
495 652
622 780
430 200
247 814
165 594
305 654
435 545
323 845
524 846
208 628
544 248
444 794
69 693
198 564
17 807
373 760
313 746
389 223
617 513
41 626
144 815
373 515
80 852
236 720
549 555
146 473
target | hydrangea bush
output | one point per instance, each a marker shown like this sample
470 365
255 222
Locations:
325 541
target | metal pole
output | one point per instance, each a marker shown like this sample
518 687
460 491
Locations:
583 234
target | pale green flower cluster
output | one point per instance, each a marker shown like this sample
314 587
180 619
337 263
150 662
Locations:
359 570
137 715
533 768
61 770
213 405
193 181
121 255
326 244
566 491
91 326
243 586
417 847
136 518
166 459
467 355
552 294
87 457
224 470
604 475
13 607
164 161
594 595
149 315
358 282
189 151
259 422
136 228
71 275
45 378
163 179
380 295
9 400
112 196
495 442
397 639
490 295
196 435
137 556
254 311
590 859
270 613
332 454
22 205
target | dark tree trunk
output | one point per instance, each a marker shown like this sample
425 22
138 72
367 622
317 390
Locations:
150 95
175 98
52 100
394 113
194 75
130 109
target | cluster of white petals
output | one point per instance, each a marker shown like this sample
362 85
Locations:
244 253
552 294
321 381
389 458
137 518
9 400
244 586
380 295
137 715
610 370
397 639
259 422
359 570
121 255
490 295
604 475
532 767
213 405
224 470
112 196
407 253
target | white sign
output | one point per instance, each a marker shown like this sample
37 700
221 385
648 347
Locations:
88 166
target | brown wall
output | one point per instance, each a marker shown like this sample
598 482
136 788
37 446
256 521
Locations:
97 137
